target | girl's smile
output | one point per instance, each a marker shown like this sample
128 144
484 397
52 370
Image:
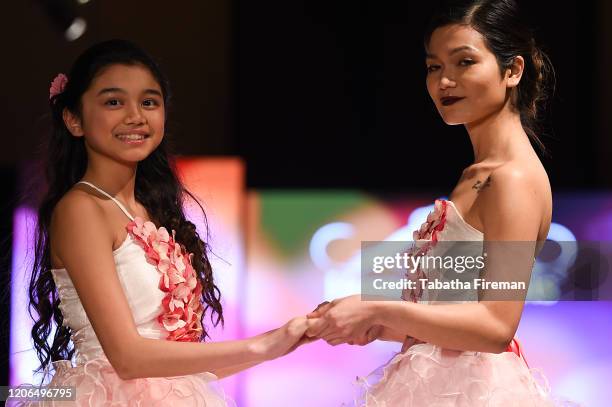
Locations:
133 137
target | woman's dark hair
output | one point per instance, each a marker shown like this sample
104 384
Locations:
157 188
506 35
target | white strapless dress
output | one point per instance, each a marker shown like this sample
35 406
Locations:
426 375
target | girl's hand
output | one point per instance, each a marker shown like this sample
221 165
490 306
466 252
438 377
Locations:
281 341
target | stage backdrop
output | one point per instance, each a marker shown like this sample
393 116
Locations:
279 253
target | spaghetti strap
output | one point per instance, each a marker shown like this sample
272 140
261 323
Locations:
111 197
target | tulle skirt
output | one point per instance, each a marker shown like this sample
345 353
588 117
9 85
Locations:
426 375
98 385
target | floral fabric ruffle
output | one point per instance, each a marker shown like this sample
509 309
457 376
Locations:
428 376
98 385
182 307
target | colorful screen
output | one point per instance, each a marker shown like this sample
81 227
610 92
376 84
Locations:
279 253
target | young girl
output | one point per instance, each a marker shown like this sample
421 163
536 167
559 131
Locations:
485 72
118 268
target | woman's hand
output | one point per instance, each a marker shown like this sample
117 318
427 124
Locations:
375 332
281 341
344 320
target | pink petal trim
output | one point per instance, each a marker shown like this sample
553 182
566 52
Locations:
182 309
426 236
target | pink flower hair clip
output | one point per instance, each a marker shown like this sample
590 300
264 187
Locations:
58 85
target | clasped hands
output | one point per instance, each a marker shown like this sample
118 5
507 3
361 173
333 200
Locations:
344 320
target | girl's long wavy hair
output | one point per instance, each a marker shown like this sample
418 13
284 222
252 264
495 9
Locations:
157 188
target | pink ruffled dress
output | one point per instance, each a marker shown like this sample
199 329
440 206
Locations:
163 293
426 375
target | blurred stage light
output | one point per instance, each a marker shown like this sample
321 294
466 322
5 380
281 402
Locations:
76 29
64 16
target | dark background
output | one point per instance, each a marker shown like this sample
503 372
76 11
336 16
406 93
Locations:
311 94
314 93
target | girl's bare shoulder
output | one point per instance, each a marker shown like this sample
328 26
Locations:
76 203
76 212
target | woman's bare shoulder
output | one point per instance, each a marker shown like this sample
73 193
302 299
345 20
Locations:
522 190
523 173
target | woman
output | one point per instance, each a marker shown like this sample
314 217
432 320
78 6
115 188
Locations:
484 71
